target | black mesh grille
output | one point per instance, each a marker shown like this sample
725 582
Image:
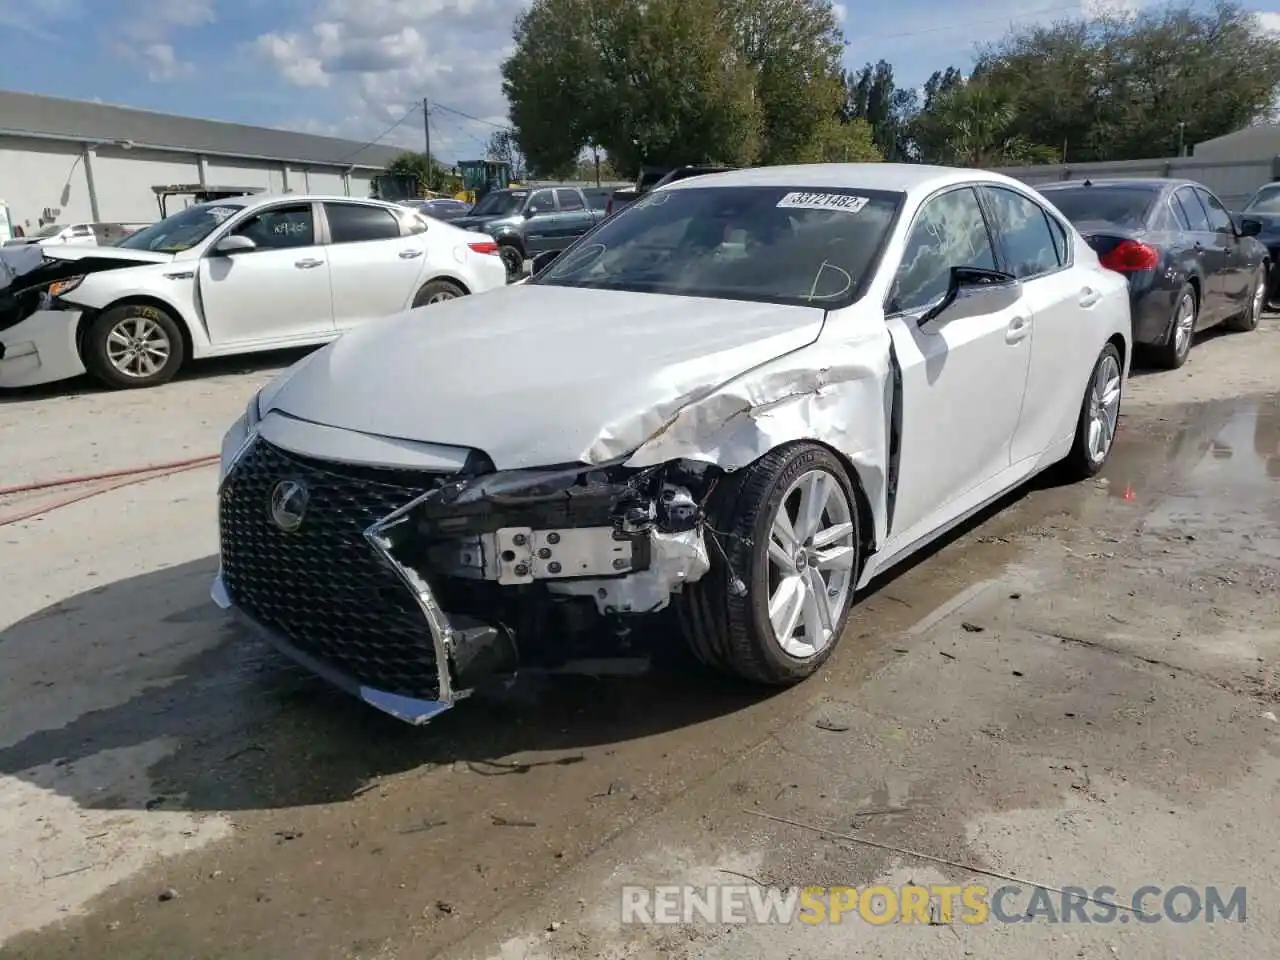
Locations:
322 586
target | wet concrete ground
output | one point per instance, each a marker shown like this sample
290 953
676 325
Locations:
1076 689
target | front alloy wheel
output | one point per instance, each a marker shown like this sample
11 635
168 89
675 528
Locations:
785 560
811 555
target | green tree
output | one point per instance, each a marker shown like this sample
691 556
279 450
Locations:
674 81
874 96
1126 86
653 82
504 147
432 175
975 125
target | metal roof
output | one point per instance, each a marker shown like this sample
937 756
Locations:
37 115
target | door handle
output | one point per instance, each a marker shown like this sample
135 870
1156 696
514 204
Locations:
1019 329
410 254
308 264
1088 297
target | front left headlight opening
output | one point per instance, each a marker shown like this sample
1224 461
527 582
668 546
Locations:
62 287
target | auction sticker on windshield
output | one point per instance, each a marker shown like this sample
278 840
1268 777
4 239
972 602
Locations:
222 213
823 201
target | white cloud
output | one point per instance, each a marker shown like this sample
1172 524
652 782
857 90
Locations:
145 36
380 58
1269 21
38 18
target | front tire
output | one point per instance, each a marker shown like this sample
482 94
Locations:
1099 417
513 259
133 346
790 530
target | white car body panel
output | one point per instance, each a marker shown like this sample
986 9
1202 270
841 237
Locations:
268 298
539 375
935 419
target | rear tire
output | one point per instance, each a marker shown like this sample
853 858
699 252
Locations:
1099 417
1248 319
807 581
437 291
1173 353
134 346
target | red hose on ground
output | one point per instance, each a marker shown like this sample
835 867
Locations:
107 475
124 478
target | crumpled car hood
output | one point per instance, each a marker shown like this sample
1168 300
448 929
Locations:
536 375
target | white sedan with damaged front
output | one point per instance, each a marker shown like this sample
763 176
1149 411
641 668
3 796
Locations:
238 275
747 395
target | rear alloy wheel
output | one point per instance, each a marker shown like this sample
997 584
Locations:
438 291
1248 319
1099 417
135 345
789 528
1173 353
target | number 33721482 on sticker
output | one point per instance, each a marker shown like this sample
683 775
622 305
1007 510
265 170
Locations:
844 202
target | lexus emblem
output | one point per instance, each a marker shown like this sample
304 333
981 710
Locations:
288 505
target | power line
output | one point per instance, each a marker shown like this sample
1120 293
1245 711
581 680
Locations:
409 113
487 123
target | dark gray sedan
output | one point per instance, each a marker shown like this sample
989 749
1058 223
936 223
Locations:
1190 264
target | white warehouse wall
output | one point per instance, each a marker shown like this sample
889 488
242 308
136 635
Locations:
361 183
123 180
35 174
38 174
325 181
222 172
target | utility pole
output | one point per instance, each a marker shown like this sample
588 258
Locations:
426 131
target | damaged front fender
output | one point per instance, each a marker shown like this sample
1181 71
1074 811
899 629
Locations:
839 393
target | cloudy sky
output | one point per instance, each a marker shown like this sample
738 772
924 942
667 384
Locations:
353 68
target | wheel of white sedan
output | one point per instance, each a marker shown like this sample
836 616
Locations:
774 605
1099 416
134 345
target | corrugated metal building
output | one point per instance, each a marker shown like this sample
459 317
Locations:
72 160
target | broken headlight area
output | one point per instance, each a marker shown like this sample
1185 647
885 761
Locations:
557 560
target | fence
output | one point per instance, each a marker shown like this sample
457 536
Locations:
1234 181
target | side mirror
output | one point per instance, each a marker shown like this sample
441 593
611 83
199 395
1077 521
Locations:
1250 226
544 260
971 280
234 244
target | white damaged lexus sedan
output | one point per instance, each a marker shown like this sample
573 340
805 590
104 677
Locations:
745 396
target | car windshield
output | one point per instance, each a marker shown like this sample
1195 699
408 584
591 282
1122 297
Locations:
52 230
1121 206
1266 200
814 246
182 230
500 204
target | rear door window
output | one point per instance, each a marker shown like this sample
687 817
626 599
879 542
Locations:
1193 210
1024 233
569 200
358 222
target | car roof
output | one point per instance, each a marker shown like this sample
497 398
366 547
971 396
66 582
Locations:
1147 183
259 199
895 177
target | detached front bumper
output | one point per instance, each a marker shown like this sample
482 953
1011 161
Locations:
41 349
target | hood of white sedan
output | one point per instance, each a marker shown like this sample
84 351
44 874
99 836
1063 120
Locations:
538 375
91 252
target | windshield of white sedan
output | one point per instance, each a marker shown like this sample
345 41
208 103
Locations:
183 230
811 246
